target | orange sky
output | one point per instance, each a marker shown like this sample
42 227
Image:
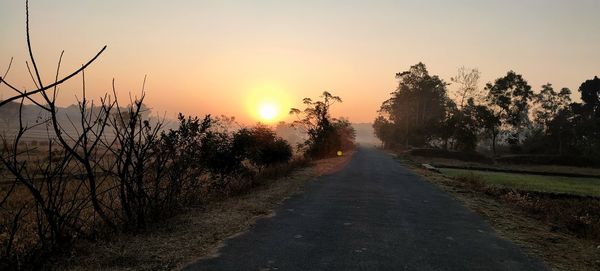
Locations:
223 57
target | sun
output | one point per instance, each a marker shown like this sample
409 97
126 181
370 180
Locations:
268 111
267 103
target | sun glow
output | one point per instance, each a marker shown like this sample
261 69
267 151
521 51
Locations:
267 103
268 112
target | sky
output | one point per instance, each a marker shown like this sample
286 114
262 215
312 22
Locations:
229 57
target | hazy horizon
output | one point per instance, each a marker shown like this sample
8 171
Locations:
227 57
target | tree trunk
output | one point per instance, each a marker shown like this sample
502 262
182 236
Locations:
494 143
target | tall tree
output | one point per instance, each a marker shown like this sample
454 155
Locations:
590 95
467 127
417 107
561 129
509 99
548 103
467 81
489 122
587 118
385 131
324 132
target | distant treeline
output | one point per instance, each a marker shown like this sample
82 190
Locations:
506 116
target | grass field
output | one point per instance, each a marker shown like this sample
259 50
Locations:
531 182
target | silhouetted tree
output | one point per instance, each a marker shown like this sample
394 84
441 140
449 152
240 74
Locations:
467 127
490 124
345 133
587 118
548 103
417 108
385 130
561 130
590 95
509 99
323 135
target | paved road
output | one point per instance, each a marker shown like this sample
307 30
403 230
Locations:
372 215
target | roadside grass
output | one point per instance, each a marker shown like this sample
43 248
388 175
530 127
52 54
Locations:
531 182
563 228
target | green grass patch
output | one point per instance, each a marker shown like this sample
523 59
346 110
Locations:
532 182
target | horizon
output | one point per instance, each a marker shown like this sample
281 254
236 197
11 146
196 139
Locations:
230 57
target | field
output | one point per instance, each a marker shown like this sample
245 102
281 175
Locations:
532 182
551 169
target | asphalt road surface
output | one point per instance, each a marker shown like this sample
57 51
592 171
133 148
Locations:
371 215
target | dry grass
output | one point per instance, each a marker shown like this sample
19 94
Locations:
196 233
561 250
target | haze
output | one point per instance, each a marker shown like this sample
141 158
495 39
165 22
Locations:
224 57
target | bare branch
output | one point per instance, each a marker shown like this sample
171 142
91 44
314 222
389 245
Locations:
26 94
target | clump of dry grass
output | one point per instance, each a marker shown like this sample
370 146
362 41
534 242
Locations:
575 214
472 181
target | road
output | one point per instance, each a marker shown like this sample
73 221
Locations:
373 214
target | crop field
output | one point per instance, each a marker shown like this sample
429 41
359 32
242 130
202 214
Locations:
532 182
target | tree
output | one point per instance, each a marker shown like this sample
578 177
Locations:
417 107
561 129
548 103
467 127
323 136
345 133
586 118
467 85
508 99
385 131
449 124
590 95
489 122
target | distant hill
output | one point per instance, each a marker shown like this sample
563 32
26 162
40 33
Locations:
32 116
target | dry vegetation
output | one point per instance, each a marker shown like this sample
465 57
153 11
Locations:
561 229
198 232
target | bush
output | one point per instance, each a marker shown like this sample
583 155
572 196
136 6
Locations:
262 147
